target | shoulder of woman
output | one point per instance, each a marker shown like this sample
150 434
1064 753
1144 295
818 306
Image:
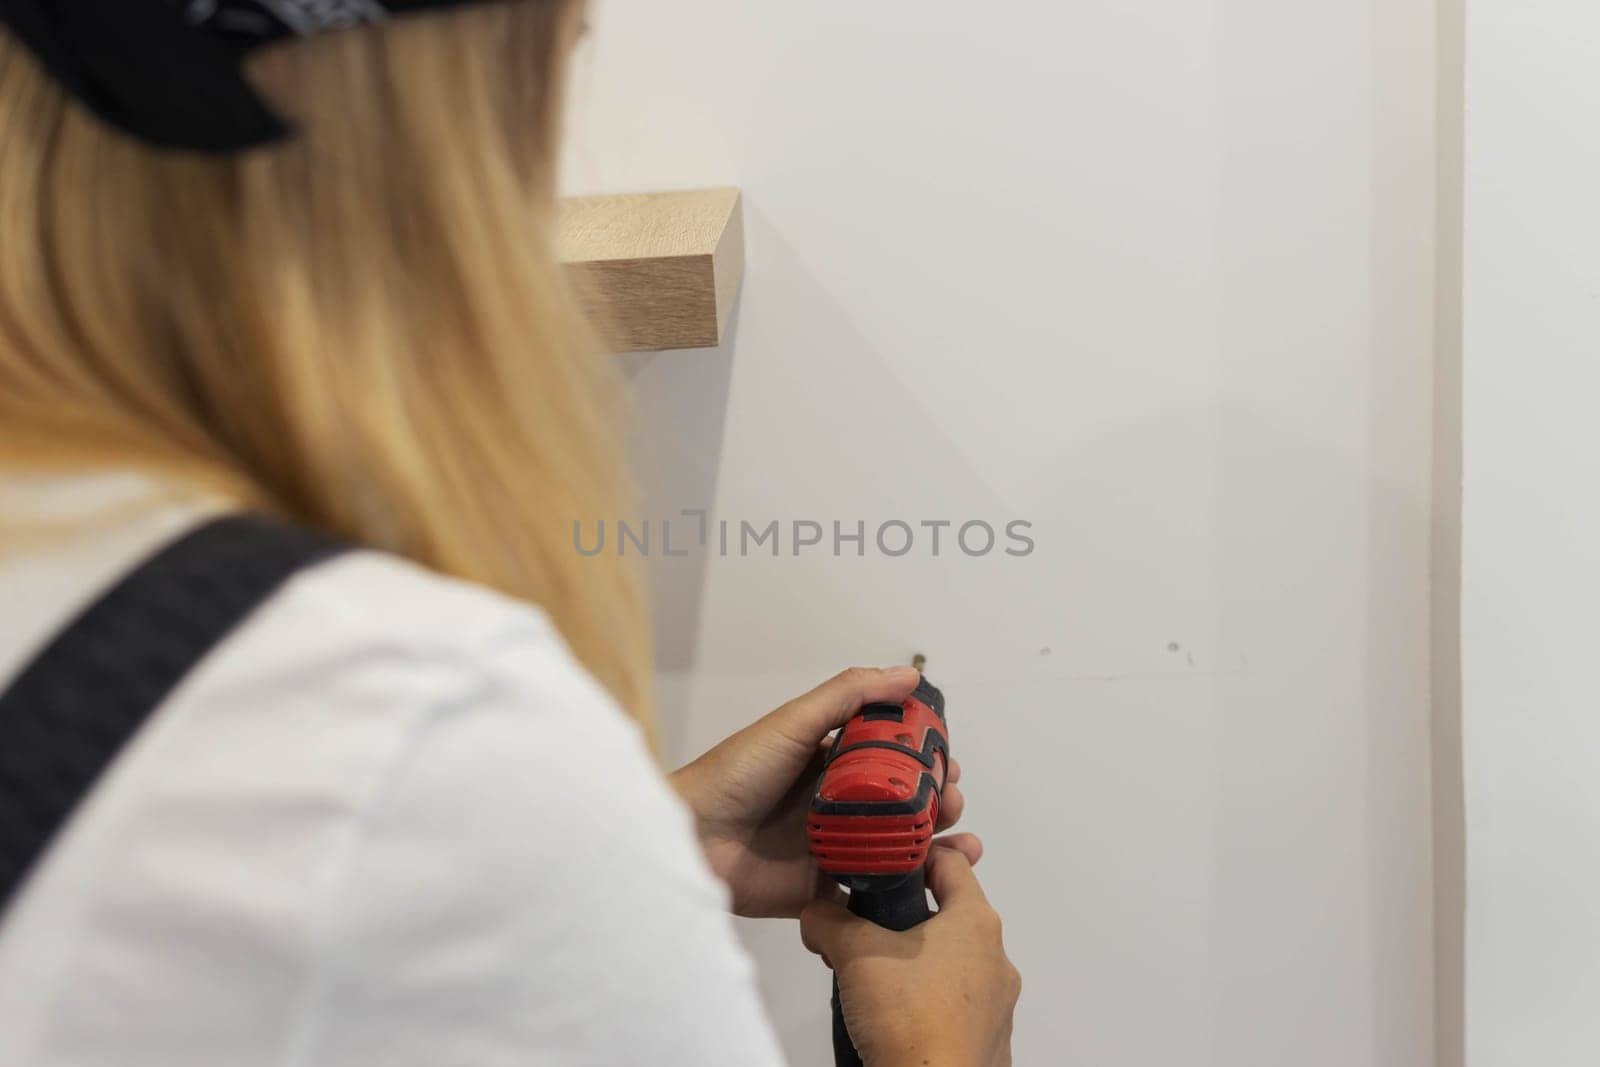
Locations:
479 690
367 628
383 600
399 663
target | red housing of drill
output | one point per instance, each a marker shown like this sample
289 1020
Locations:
877 802
873 814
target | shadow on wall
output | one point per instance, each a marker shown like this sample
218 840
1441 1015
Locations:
824 426
793 462
680 404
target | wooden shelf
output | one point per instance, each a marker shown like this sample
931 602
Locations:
655 271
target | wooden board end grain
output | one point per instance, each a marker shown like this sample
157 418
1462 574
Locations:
655 271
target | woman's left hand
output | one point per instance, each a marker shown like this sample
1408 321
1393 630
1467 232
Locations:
750 794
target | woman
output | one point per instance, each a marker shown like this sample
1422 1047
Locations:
395 815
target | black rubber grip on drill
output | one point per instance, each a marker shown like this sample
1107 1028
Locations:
899 908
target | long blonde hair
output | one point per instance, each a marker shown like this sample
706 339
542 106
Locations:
363 329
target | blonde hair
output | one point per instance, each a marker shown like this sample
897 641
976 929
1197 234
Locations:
363 329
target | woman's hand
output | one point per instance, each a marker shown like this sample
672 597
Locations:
750 794
940 994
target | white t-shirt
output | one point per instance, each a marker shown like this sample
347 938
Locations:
388 821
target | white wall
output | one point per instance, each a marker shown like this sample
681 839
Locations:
1531 541
1156 277
1449 815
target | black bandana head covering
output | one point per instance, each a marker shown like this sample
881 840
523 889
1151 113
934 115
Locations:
170 71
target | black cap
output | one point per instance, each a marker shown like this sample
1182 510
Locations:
170 72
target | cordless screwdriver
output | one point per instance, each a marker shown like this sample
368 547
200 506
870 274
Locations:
873 815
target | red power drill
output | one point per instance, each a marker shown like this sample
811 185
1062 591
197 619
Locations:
873 815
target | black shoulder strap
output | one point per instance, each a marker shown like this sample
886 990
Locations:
69 712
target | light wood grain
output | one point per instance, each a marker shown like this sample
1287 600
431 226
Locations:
655 271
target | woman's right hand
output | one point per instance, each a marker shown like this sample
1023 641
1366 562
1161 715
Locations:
938 995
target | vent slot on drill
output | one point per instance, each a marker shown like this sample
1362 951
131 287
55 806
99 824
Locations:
883 713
